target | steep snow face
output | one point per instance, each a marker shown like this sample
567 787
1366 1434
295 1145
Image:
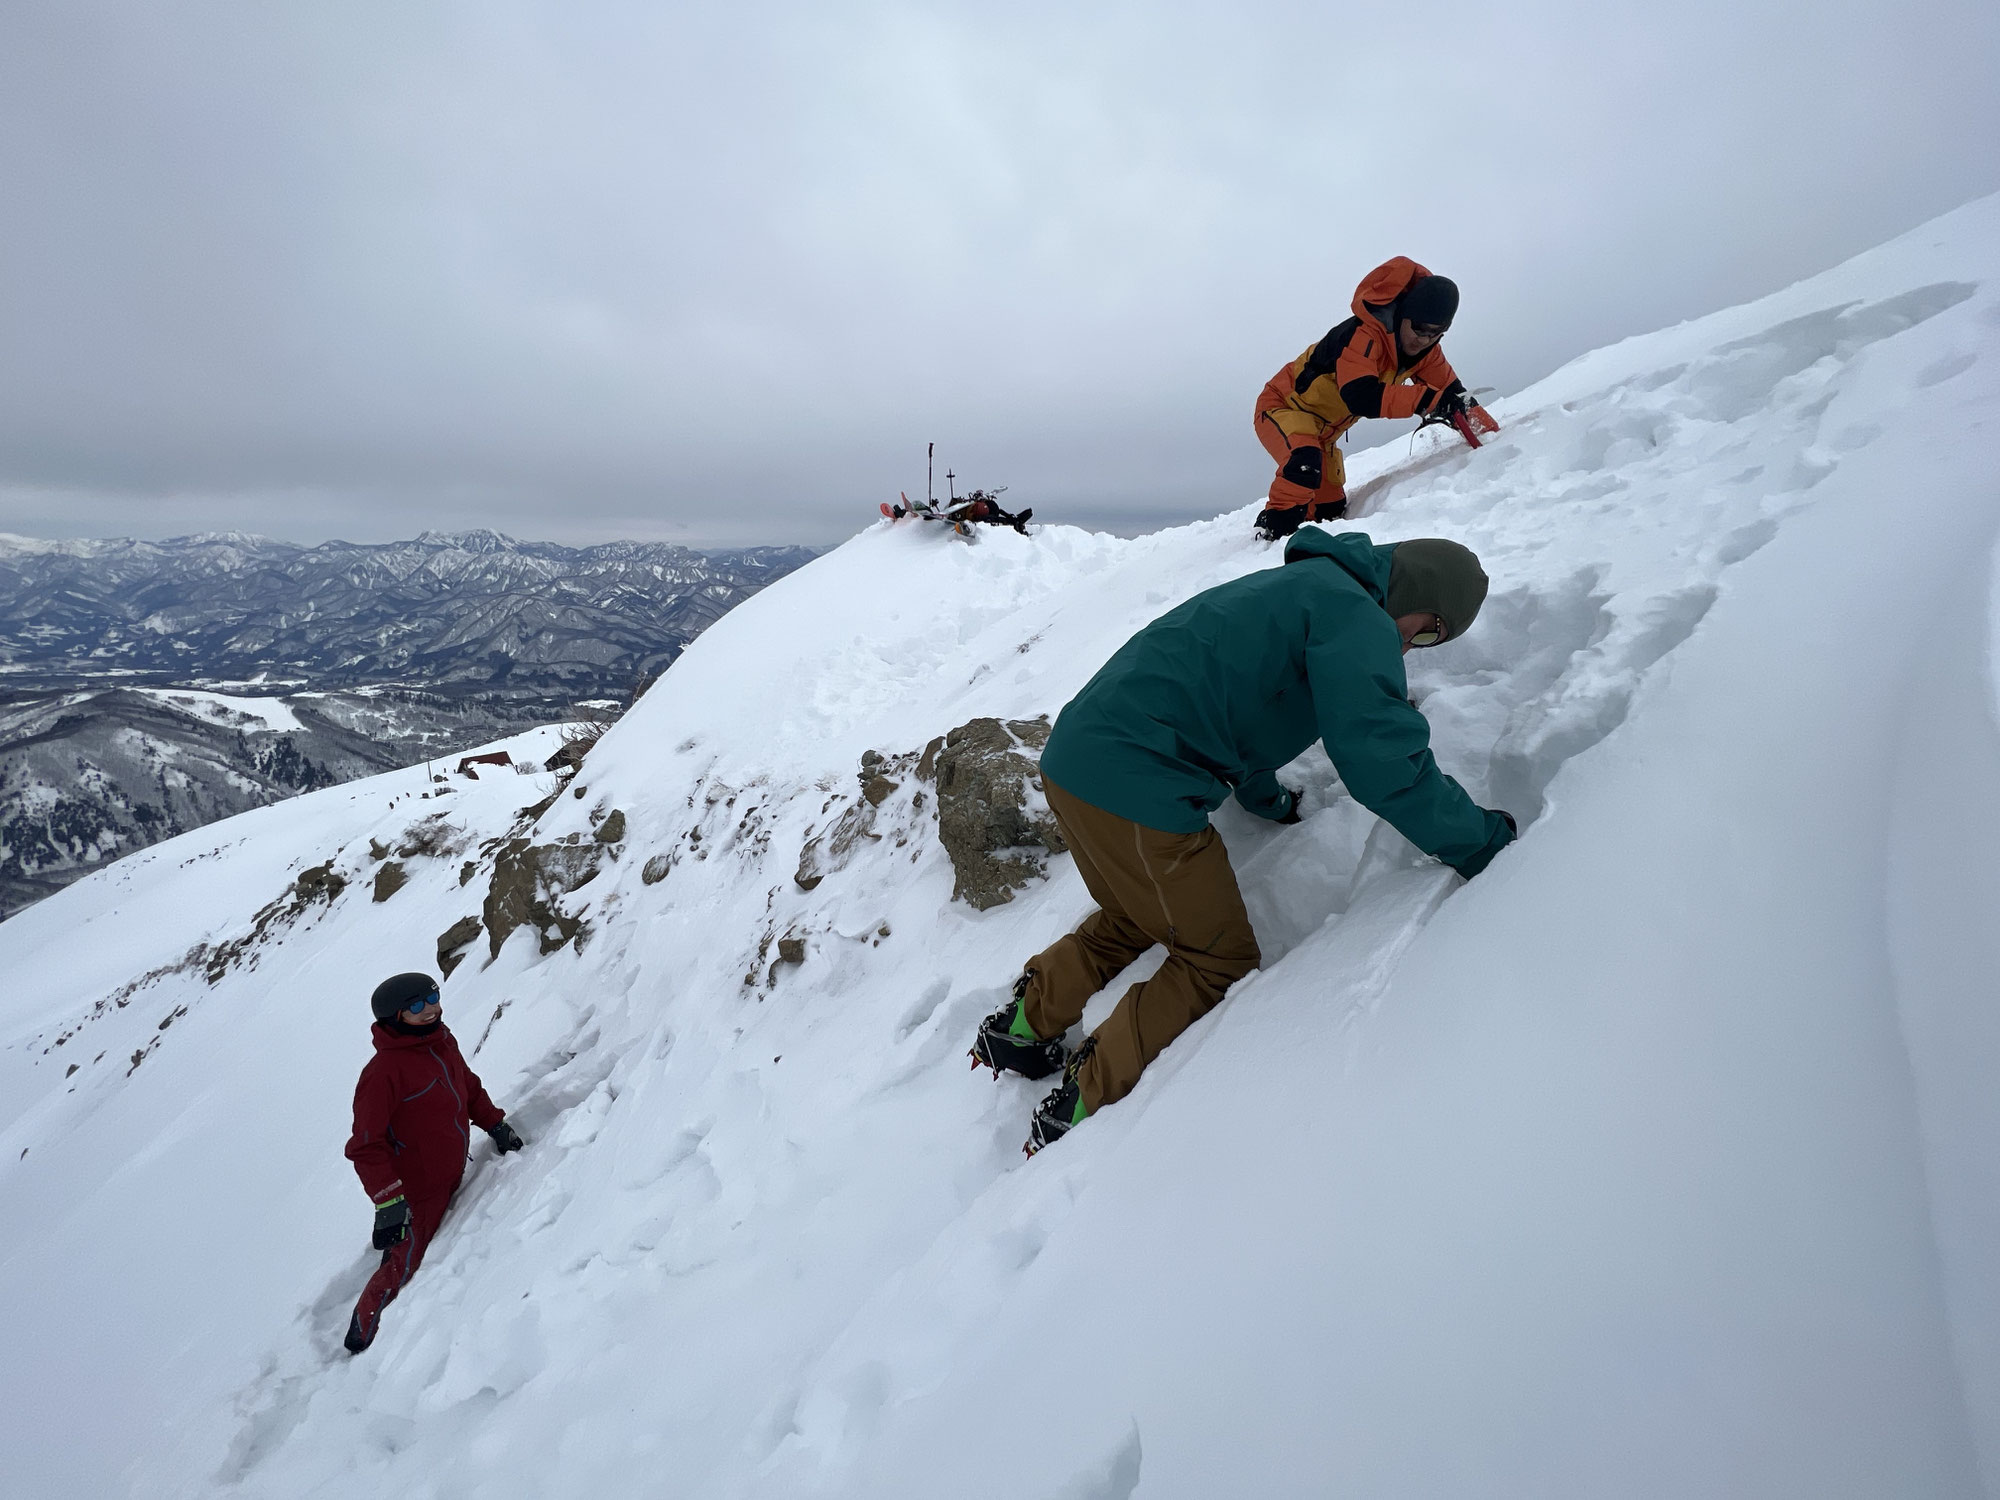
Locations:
1661 1159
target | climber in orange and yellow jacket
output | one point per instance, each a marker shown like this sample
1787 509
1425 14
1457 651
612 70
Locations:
1359 369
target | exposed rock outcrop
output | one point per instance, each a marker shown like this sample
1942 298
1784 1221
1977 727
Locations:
528 882
993 820
880 777
833 849
319 886
453 942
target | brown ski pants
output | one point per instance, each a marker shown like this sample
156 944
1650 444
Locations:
1175 889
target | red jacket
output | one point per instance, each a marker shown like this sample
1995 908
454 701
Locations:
410 1112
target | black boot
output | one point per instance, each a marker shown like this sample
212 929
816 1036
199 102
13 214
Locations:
356 1340
1274 521
1005 1041
1063 1110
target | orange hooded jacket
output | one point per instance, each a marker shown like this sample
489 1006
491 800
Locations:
1356 371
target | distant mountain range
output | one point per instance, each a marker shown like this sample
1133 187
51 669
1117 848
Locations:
470 612
298 667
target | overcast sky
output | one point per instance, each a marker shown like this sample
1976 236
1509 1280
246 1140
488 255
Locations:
716 274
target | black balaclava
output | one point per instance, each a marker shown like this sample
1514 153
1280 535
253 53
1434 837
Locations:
395 995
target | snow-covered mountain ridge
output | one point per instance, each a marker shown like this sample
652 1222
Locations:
1661 1159
88 777
472 613
408 648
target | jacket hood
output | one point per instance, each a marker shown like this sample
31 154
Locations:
1381 287
1352 551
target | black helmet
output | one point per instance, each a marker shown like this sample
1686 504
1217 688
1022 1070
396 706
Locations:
1431 300
394 996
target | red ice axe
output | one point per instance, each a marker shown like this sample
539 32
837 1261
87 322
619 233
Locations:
1468 421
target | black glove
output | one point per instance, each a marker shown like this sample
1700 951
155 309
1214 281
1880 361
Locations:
1443 405
1306 466
392 1223
1508 818
505 1138
1292 810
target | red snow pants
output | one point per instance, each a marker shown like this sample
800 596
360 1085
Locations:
400 1262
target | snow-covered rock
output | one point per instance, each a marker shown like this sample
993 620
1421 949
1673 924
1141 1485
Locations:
1664 1158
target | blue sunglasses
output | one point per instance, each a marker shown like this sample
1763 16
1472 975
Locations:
415 1006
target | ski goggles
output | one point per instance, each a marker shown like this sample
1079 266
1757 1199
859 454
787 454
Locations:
1432 637
1430 330
423 1003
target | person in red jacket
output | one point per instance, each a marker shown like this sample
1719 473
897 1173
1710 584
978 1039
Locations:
1382 362
411 1109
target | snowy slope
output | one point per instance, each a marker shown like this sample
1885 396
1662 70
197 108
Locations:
1660 1160
228 709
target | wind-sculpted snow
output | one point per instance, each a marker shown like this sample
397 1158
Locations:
1659 1160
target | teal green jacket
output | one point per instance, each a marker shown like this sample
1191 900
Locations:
1215 695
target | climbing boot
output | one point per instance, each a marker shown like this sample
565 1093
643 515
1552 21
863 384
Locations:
1064 1109
356 1339
1275 521
1005 1041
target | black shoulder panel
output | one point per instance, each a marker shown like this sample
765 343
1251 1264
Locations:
1325 352
1363 396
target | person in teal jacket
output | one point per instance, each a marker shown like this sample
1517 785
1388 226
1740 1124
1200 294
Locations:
1207 702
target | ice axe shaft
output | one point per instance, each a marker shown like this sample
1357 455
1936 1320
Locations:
1468 422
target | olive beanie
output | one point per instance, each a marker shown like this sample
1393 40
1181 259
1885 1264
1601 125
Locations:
1432 575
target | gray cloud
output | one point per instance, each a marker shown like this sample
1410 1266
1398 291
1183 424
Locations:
583 271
